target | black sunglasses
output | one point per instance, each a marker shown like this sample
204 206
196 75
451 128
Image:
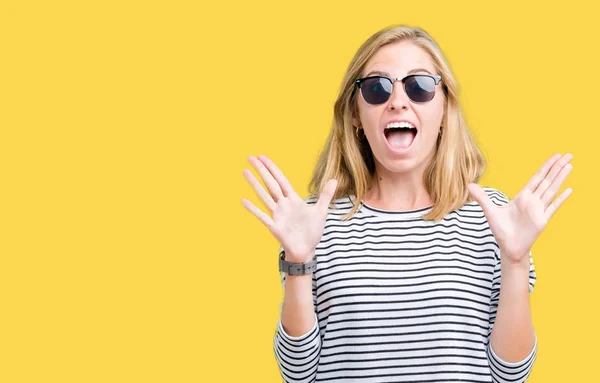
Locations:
418 87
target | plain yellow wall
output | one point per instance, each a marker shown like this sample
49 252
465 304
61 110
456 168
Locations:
125 252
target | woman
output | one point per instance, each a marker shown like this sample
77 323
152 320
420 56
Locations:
391 271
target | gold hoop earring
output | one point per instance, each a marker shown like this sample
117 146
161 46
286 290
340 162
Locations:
357 129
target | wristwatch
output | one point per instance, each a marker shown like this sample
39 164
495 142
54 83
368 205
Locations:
297 268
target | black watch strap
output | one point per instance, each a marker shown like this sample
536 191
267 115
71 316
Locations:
291 268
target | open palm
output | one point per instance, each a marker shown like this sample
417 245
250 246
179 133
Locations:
297 225
518 224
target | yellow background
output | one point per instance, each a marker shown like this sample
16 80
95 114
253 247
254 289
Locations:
126 254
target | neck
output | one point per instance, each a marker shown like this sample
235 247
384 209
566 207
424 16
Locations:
398 191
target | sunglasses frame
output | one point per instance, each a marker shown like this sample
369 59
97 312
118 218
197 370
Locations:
436 78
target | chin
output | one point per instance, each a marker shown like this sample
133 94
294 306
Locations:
399 166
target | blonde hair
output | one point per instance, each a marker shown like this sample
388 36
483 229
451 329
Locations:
349 159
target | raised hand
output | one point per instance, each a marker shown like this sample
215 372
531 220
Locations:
297 225
518 224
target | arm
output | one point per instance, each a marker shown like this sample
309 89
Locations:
298 312
516 224
298 225
297 342
512 344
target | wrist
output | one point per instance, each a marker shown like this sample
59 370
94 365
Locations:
299 257
519 267
519 259
296 268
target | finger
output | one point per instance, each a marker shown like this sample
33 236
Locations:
260 191
557 202
537 178
550 193
481 197
285 185
261 215
327 194
267 178
552 174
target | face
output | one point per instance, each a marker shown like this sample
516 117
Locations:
401 151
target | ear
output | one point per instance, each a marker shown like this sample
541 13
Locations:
356 122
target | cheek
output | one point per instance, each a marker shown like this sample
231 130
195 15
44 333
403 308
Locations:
432 119
370 117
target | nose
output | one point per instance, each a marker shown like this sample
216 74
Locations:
398 98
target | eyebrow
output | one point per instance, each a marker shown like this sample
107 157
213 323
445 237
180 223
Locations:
387 74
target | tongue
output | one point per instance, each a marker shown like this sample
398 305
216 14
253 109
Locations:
400 139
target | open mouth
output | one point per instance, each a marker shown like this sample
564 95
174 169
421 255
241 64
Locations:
400 138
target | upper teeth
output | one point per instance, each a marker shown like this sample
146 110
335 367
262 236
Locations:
402 124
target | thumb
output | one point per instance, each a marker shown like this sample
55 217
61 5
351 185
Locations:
327 194
481 197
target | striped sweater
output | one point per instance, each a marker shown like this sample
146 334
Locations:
401 299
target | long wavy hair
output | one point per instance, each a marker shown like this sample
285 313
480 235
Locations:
349 159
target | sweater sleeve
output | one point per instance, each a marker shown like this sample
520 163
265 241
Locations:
298 356
502 371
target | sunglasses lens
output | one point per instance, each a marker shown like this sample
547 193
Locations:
420 88
376 90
